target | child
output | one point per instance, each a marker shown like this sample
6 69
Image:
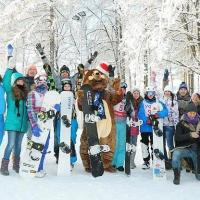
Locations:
67 86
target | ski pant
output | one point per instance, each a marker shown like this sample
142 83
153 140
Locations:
147 137
168 136
134 139
120 147
1 128
44 152
14 143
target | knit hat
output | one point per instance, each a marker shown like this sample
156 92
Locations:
183 85
135 89
191 107
64 68
16 76
168 88
103 68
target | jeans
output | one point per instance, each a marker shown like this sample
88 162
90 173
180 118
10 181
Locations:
14 143
178 154
168 136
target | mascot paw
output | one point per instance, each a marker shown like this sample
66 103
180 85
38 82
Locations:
116 84
110 169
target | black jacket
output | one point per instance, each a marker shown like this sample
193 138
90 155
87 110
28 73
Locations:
182 133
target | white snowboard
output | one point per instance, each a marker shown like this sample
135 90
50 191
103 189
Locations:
31 159
67 101
159 172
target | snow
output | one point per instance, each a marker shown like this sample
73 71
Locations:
81 185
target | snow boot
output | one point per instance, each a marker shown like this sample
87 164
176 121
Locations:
16 161
133 160
177 174
4 167
121 168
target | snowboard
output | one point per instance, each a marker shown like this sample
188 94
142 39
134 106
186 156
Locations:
159 172
67 101
90 119
34 149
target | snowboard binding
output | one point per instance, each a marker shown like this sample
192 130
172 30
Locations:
66 121
96 149
64 148
44 116
34 145
159 154
157 131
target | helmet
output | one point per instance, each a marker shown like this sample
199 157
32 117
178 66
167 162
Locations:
66 81
150 90
123 85
40 78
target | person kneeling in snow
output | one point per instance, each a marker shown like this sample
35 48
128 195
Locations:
187 142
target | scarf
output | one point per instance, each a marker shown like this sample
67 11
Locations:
193 121
98 105
41 88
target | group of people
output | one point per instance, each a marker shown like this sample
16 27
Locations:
180 113
181 141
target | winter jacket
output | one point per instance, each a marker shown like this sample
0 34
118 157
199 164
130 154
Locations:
34 105
182 133
182 103
119 111
2 100
2 110
173 115
135 130
14 122
29 82
144 112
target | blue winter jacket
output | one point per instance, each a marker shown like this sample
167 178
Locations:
2 100
142 116
14 122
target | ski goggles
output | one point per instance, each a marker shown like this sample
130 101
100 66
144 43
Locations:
151 93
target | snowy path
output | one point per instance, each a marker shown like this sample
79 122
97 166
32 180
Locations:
82 186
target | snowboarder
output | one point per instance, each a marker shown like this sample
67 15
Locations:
120 121
137 99
187 141
145 115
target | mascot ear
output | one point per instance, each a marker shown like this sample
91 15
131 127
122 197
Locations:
116 84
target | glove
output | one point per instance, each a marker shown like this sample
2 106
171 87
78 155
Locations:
36 131
111 71
93 56
40 48
57 107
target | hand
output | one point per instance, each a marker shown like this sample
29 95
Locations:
93 56
36 131
194 135
40 48
111 70
57 107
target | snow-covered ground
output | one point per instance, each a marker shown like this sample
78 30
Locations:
82 186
